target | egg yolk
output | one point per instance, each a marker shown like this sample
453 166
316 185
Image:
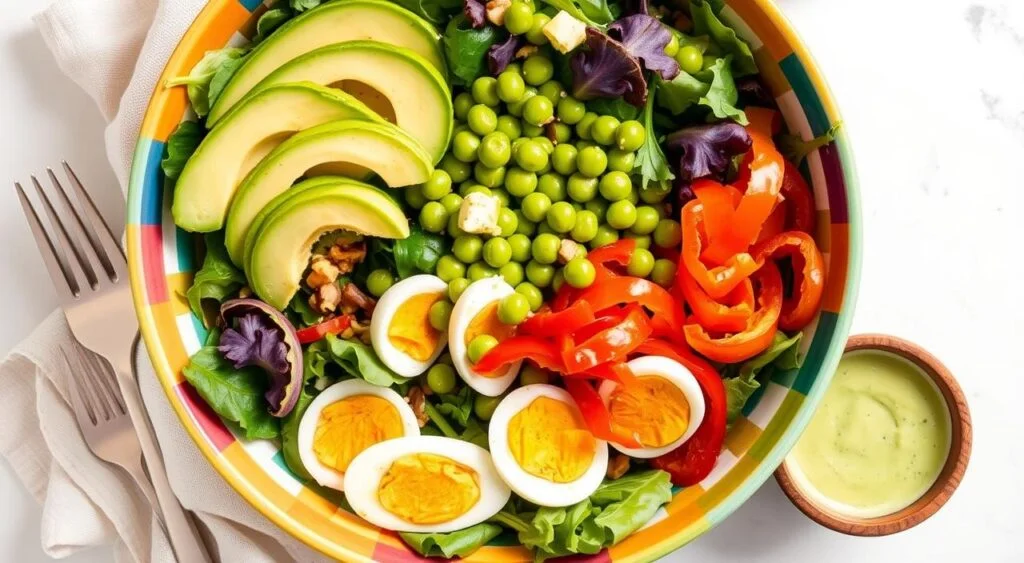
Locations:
549 440
653 410
410 329
428 489
349 426
487 322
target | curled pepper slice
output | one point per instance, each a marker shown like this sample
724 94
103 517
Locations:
552 323
799 201
728 315
775 223
316 332
611 344
618 252
668 313
539 351
595 413
760 329
809 276
719 280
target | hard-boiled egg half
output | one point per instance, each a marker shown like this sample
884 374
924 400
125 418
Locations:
425 484
475 314
400 328
542 448
345 419
661 410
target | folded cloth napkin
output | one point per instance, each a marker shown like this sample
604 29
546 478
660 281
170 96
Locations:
115 50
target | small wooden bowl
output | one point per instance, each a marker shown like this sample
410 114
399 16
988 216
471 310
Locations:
947 481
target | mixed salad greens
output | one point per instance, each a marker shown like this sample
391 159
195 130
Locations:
613 249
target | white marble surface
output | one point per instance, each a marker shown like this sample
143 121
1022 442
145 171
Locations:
932 93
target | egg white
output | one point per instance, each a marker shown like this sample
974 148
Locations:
676 374
474 299
364 474
532 488
387 306
323 474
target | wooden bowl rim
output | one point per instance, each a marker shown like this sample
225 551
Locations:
952 471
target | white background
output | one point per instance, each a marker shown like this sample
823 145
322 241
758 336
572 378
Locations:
932 93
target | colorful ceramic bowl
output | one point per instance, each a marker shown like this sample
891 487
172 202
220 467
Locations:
163 258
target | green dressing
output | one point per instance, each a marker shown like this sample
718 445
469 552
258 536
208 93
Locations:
879 439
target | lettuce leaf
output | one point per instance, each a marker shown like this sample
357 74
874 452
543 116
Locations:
782 354
435 11
630 502
198 83
271 20
418 252
357 360
594 13
303 5
180 145
460 543
236 395
721 95
651 164
217 279
795 149
466 48
706 22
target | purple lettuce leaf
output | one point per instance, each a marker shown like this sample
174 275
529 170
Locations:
630 7
254 344
753 92
607 70
645 38
500 55
476 13
706 151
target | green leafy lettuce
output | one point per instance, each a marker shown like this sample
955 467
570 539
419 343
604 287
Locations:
795 149
271 20
721 95
706 22
290 430
650 159
303 5
216 280
615 107
236 395
199 82
458 407
460 543
353 358
180 145
594 13
783 354
466 49
418 252
435 11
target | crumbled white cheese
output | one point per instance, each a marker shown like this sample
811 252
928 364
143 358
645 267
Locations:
567 250
496 11
565 32
479 214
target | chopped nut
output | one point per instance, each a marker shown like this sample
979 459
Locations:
496 11
353 298
618 465
246 291
568 250
322 272
526 51
416 400
346 257
348 333
359 328
325 299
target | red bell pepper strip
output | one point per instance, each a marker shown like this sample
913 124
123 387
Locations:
668 313
609 345
760 329
717 281
719 203
729 315
563 297
775 223
765 120
698 366
618 372
809 269
799 200
618 252
316 332
538 350
550 323
595 413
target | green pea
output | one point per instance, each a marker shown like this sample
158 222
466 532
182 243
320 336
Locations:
414 197
479 346
654 194
532 293
642 241
461 105
690 59
539 274
438 185
519 18
511 86
536 33
552 185
615 185
457 170
520 245
468 248
581 188
571 110
509 125
501 195
545 248
449 268
497 252
516 108
495 149
456 287
592 161
538 110
621 161
630 135
465 145
584 125
378 281
526 227
561 217
585 228
641 262
484 406
481 119
531 130
439 314
598 207
487 176
480 270
621 215
562 132
605 235
604 130
563 159
664 272
453 230
531 156
538 69
535 206
473 187
544 228
558 280
512 273
552 90
633 196
549 146
667 234
579 273
441 379
513 309
519 182
485 91
646 220
459 127
531 375
673 44
507 221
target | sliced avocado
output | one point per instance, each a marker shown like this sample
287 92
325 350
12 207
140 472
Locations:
281 250
347 148
244 137
333 22
412 90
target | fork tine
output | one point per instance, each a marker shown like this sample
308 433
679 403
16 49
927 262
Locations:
86 379
53 255
88 225
83 410
105 375
59 224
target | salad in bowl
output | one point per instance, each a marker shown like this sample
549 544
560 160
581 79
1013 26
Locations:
501 271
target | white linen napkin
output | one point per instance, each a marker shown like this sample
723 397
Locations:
115 50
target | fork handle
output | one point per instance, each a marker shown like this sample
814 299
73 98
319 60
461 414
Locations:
181 529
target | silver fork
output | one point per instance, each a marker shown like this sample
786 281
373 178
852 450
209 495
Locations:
94 293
